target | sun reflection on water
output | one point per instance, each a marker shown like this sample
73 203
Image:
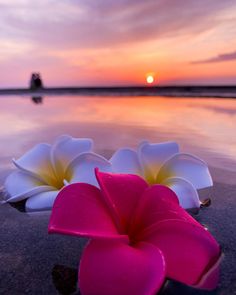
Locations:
205 127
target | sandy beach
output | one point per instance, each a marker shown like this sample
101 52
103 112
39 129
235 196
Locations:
33 262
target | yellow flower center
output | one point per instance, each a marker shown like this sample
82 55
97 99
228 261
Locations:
59 179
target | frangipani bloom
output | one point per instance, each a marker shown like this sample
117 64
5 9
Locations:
46 169
163 164
139 236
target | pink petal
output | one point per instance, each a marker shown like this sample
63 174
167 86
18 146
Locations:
122 193
157 204
211 278
79 210
114 268
189 251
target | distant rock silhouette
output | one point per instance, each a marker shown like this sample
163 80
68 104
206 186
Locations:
36 82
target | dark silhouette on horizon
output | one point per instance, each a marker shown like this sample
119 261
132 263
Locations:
203 91
36 81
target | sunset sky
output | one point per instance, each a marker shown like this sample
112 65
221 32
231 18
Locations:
119 42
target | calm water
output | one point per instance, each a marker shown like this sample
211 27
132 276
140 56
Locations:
205 127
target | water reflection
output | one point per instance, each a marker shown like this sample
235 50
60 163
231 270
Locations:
205 127
37 99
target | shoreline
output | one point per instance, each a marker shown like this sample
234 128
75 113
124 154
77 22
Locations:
171 91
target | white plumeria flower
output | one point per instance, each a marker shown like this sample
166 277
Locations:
163 164
46 169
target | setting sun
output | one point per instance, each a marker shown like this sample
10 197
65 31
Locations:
150 79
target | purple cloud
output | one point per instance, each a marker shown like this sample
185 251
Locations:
61 38
219 58
102 23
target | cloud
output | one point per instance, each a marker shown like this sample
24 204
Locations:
108 41
219 58
104 23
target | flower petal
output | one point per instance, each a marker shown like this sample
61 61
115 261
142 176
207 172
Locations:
66 149
21 185
158 203
37 162
111 267
126 161
79 210
189 250
152 157
185 191
82 168
188 167
210 279
41 202
122 193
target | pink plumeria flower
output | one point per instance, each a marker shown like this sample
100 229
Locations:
139 236
163 164
45 169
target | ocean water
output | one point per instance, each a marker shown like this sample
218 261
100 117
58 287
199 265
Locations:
204 127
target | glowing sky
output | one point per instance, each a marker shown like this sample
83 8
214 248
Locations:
117 42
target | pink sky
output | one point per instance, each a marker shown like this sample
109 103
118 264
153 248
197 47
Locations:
92 43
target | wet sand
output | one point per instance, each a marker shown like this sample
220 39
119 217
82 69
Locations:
33 262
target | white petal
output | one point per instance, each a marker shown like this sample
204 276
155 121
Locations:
126 161
188 167
41 202
82 168
61 138
66 149
186 193
37 162
20 185
152 157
